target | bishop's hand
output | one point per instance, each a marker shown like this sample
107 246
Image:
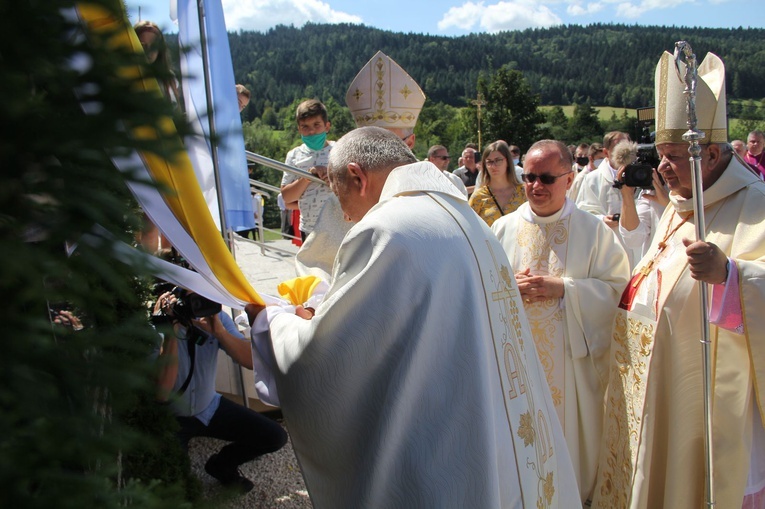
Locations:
707 262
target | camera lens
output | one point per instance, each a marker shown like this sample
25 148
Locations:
639 175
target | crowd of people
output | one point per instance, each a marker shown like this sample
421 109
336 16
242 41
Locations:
619 355
521 332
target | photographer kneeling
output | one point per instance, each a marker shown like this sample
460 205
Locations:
187 381
639 218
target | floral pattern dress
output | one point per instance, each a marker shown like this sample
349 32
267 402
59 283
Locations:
486 206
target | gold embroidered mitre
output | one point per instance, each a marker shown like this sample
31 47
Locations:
382 94
671 114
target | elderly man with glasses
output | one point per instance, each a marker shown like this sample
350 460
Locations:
570 270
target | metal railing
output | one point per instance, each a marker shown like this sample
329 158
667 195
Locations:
278 165
275 165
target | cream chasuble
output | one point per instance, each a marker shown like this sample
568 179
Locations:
572 335
414 385
653 453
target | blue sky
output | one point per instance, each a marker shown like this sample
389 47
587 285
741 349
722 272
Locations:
459 17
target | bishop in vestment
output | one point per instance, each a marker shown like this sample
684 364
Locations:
415 383
653 455
571 270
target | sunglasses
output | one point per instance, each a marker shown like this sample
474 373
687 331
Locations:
443 158
545 178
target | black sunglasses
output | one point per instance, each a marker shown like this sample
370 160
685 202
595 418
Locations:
545 178
444 158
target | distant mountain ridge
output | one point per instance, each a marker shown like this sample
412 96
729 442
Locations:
607 64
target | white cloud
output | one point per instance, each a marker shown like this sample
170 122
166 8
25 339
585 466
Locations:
518 15
576 8
510 15
634 11
463 17
260 15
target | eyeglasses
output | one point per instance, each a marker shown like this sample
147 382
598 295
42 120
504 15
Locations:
545 178
443 158
494 162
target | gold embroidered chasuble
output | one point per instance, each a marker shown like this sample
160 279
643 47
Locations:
571 334
653 452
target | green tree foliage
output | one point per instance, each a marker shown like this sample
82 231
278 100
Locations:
624 123
512 110
557 124
606 64
65 395
440 124
585 126
741 130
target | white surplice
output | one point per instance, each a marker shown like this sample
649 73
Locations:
572 334
416 384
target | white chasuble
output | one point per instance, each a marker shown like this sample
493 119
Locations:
653 452
571 334
415 384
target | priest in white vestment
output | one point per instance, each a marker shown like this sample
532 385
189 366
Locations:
414 383
571 270
653 453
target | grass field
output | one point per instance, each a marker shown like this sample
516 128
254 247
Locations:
604 112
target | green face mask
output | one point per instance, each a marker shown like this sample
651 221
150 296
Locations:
315 142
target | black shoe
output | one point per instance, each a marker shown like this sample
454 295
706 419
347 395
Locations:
227 475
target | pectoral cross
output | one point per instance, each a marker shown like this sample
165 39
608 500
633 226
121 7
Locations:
648 267
642 273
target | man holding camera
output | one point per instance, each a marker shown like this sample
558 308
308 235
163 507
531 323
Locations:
639 217
597 193
186 380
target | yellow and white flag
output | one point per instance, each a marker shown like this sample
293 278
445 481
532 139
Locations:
182 214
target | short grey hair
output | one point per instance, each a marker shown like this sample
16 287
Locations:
435 148
372 148
566 159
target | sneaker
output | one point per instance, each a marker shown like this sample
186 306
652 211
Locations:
227 475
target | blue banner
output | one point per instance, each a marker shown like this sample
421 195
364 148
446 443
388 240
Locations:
232 163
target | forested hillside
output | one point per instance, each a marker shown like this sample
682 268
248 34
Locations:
605 64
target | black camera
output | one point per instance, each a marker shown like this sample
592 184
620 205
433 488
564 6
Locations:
640 172
193 305
188 307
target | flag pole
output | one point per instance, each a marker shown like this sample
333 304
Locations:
692 136
227 236
211 121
